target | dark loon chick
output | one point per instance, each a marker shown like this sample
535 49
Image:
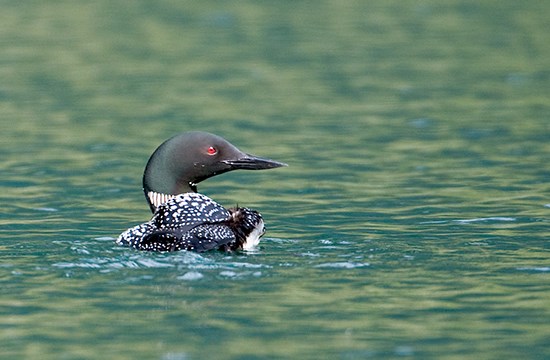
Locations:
184 219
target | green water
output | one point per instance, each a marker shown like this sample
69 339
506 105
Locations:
412 222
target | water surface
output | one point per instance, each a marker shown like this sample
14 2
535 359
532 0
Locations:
412 221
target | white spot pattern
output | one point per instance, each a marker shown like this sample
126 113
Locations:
193 221
188 210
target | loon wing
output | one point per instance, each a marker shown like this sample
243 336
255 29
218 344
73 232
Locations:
201 238
133 235
186 211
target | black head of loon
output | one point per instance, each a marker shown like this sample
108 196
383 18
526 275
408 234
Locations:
184 160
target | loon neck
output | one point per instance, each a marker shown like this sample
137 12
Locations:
183 186
157 198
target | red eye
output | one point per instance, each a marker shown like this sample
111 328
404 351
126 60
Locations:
212 150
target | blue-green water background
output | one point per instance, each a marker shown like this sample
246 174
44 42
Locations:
412 222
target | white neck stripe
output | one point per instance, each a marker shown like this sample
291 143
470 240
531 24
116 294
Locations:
157 199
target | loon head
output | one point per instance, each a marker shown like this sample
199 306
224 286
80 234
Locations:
184 160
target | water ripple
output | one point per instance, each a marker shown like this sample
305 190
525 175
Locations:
471 221
191 276
342 265
485 219
535 268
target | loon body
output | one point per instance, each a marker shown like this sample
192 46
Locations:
184 219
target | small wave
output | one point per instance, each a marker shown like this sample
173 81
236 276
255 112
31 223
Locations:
150 263
248 265
277 240
433 222
105 238
309 254
103 265
136 261
227 273
234 274
191 276
535 268
342 265
77 265
486 219
46 209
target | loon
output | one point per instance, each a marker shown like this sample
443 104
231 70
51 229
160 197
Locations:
182 218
